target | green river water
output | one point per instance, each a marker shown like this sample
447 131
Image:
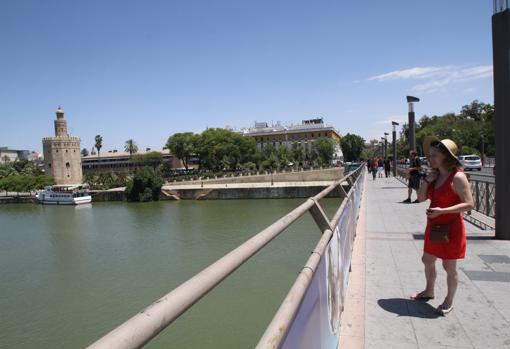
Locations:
68 274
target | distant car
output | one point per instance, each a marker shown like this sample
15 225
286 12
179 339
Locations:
349 167
424 161
471 162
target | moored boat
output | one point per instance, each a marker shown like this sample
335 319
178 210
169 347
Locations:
67 194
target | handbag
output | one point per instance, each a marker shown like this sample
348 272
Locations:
440 233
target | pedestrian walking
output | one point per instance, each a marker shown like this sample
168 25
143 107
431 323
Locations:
374 167
414 176
380 167
387 167
449 192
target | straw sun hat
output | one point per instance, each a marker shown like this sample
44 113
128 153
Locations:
447 143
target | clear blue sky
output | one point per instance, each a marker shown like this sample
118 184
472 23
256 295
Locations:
148 69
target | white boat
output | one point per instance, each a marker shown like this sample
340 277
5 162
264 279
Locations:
67 194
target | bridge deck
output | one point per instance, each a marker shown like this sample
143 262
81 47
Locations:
387 269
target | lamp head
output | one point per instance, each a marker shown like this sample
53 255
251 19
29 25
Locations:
411 99
394 123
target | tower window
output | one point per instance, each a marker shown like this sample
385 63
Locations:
68 165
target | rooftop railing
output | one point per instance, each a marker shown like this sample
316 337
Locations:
148 323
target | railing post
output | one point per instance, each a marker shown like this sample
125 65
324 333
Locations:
319 216
477 196
487 199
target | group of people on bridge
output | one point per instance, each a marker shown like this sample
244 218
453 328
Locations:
377 166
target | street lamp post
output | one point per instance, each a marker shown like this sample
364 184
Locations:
394 124
482 149
386 144
382 147
411 136
501 68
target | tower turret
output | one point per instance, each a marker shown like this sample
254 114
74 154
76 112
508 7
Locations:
60 124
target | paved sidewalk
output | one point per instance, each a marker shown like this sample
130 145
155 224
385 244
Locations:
387 269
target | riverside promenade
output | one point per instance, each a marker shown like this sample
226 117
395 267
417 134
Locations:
387 269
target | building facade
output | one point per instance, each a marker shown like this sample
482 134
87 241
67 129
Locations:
11 155
117 162
304 134
62 158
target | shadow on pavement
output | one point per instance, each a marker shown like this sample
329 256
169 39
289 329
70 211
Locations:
469 237
408 307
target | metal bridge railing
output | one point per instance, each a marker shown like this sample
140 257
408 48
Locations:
148 323
483 189
484 194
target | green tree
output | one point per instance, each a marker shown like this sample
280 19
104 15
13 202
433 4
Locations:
352 146
84 152
324 148
284 156
183 146
98 144
472 126
297 153
153 159
130 147
145 185
220 149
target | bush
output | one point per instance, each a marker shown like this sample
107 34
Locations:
145 186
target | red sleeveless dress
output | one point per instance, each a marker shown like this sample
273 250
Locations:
444 196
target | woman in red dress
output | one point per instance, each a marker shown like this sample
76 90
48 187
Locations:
449 191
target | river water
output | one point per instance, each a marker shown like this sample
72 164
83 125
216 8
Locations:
68 275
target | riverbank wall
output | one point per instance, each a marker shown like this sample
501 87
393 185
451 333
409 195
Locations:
18 200
326 174
253 192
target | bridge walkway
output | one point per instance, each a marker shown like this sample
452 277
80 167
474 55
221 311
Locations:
387 269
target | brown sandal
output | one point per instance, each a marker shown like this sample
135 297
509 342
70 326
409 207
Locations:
443 309
421 297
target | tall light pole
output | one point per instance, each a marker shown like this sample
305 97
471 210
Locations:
386 144
482 149
501 68
382 147
411 136
394 124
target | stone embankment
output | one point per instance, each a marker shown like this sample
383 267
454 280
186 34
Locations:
289 185
18 199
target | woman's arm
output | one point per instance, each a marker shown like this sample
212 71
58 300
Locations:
424 185
422 192
462 188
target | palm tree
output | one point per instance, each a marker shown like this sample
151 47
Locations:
131 147
99 144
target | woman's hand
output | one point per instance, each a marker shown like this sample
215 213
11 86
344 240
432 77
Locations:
432 176
434 212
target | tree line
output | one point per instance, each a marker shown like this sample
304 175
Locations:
22 176
469 129
218 149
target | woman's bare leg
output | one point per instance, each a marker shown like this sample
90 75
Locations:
429 261
452 280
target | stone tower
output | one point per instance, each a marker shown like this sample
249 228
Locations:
62 158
